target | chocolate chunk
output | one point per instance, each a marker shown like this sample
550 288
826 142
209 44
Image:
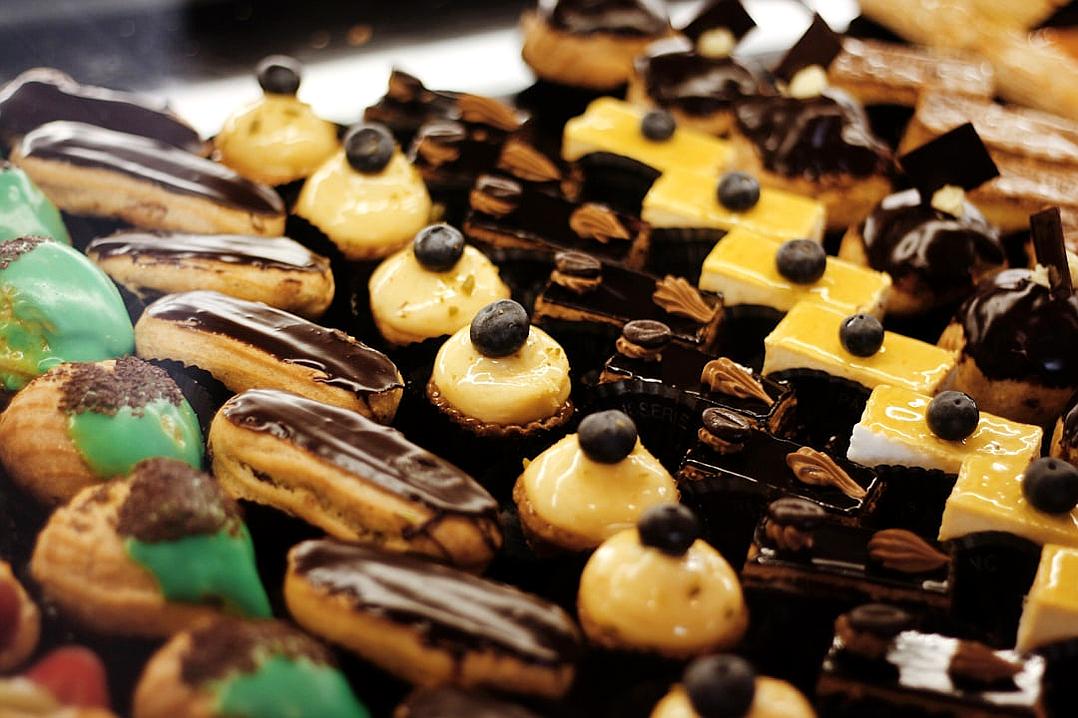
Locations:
578 264
957 158
228 646
168 500
715 14
818 46
1051 251
130 383
647 333
12 249
880 619
725 424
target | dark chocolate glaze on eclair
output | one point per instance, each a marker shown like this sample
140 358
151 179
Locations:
379 454
173 247
451 609
633 18
149 161
344 362
1070 427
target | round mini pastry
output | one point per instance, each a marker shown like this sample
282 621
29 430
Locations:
367 198
1018 347
253 669
55 306
935 258
589 44
725 686
278 139
84 423
432 288
26 211
67 682
591 485
658 588
500 376
20 621
166 541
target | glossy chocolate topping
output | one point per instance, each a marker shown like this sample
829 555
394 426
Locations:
695 84
450 609
229 646
148 160
1014 329
168 500
905 236
450 702
43 95
340 360
620 17
1070 427
814 137
379 454
172 247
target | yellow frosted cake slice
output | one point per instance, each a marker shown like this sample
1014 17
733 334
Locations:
808 338
988 497
742 268
613 126
682 199
1051 609
893 431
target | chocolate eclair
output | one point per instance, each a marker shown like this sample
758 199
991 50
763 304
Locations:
104 173
229 668
408 105
275 270
428 623
589 44
43 95
358 480
250 344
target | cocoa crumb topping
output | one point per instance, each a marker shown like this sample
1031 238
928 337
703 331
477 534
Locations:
131 382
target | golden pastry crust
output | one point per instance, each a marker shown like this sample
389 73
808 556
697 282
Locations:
82 566
161 691
28 628
483 428
773 699
263 468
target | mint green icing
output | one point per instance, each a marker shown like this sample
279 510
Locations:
56 306
206 568
285 688
112 445
25 211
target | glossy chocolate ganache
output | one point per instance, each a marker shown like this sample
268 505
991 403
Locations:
905 236
620 17
677 77
814 137
1015 329
450 608
172 247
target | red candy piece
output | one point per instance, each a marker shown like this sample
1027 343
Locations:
10 613
74 676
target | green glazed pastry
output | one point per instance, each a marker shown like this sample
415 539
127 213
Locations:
55 307
25 211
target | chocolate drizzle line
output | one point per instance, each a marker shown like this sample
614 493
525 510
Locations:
275 252
378 454
151 161
12 249
337 359
227 646
168 500
1047 230
818 46
130 383
818 469
957 158
448 608
905 551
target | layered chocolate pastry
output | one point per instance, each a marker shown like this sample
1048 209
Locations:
735 469
1049 625
43 95
879 665
408 105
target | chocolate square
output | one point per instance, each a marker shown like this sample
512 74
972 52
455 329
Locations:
1046 227
820 45
730 14
958 157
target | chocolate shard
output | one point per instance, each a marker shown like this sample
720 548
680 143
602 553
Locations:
820 45
715 14
957 158
1051 251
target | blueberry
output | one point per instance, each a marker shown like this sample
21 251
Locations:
671 528
500 328
1051 485
368 147
739 191
279 75
861 334
802 261
658 125
607 436
952 415
721 686
438 247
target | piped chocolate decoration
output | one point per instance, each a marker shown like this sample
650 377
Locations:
529 164
131 383
448 608
496 196
1046 227
676 296
644 339
958 158
977 664
715 14
168 500
818 469
488 111
791 522
597 221
12 249
820 45
906 552
227 647
633 18
576 271
725 376
724 430
439 142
